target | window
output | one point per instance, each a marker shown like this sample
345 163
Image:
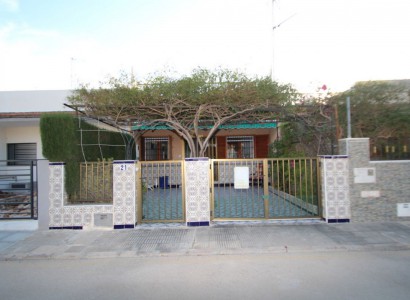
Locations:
21 151
239 147
156 148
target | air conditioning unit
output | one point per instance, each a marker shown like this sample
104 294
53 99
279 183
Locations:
20 185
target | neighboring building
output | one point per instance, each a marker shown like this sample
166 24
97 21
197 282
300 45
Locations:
20 113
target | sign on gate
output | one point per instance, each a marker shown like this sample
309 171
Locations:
241 177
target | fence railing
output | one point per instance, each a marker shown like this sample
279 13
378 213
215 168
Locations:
278 188
160 191
18 189
96 183
296 181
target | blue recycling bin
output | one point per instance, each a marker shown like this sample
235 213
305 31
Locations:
163 182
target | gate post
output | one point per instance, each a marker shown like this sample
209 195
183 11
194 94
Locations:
138 195
43 185
335 188
266 188
197 191
124 194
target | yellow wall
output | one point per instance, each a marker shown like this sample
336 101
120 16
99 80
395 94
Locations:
177 143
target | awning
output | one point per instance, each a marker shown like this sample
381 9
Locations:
226 126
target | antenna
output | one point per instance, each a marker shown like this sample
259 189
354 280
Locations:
273 37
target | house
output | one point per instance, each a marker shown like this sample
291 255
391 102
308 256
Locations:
20 146
20 113
240 141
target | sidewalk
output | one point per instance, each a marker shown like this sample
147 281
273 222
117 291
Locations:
217 239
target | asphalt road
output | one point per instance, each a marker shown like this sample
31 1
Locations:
310 275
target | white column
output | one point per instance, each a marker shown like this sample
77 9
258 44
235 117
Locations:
335 189
197 191
43 186
124 194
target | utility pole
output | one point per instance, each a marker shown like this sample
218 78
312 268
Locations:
349 125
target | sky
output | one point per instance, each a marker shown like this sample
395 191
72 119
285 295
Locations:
61 44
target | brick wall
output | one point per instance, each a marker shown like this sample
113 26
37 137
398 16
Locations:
376 187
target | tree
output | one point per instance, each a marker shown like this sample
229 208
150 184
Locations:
193 106
379 109
309 127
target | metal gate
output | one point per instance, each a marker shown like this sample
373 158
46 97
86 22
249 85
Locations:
276 188
18 189
160 191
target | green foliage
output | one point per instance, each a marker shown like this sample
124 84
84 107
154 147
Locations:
379 109
62 136
58 136
287 145
99 144
297 177
185 104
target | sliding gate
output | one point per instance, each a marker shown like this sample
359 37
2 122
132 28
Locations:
18 189
267 188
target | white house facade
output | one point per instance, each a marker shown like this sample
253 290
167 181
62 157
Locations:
20 113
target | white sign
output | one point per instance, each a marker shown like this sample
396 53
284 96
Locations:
370 194
241 177
403 209
364 175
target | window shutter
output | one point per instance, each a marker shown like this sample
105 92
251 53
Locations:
261 146
221 144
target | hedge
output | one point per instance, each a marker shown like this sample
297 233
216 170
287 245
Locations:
72 140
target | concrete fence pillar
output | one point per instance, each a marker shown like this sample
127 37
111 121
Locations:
43 186
335 189
197 191
56 195
124 193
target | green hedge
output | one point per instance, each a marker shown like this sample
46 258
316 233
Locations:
62 136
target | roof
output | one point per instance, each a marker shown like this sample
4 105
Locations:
28 115
271 124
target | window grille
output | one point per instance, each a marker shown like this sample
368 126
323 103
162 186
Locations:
240 147
157 148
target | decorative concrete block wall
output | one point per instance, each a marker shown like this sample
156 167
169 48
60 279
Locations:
378 189
124 194
335 188
119 215
197 191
